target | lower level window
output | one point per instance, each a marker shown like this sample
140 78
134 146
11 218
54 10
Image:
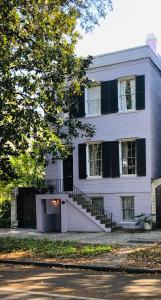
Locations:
94 155
97 202
128 208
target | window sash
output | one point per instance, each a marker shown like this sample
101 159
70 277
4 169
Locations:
128 157
98 202
94 100
128 208
127 94
95 159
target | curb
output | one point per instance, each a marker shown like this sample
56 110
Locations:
82 267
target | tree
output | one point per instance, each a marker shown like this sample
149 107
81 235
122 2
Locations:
40 75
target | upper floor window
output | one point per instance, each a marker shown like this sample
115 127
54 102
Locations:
110 159
128 157
127 94
94 159
93 101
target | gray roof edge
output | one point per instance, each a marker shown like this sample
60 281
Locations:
125 55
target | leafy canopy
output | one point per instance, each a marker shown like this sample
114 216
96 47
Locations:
40 75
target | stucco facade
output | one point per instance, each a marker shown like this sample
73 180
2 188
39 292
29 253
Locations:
125 125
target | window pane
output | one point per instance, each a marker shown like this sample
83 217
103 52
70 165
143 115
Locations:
127 94
128 157
94 100
95 159
98 202
128 208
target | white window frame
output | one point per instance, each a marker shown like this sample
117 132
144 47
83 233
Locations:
87 161
120 158
119 94
132 209
86 103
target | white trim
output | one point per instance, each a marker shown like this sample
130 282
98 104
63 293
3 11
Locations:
124 220
126 77
119 94
120 158
86 102
87 159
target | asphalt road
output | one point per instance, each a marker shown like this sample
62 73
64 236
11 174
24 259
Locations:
26 282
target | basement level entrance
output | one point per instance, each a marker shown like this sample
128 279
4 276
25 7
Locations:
68 173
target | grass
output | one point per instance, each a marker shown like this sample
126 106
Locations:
50 249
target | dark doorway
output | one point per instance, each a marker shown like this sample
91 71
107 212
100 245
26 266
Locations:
26 207
68 173
158 206
51 214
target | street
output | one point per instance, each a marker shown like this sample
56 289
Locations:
28 282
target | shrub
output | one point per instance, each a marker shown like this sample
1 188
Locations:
5 213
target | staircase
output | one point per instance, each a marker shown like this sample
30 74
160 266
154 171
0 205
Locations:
86 202
56 186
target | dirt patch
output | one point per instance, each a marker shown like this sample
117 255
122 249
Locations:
144 257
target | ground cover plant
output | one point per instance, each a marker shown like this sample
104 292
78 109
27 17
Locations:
52 249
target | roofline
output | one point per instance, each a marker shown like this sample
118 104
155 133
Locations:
124 50
143 51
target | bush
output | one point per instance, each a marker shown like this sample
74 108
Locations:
5 214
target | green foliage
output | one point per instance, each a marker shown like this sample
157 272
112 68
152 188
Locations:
52 249
37 63
27 170
5 211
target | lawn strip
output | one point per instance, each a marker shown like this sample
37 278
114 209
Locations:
51 249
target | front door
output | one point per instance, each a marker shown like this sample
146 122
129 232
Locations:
158 206
68 173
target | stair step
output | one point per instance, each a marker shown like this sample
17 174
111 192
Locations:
86 204
102 218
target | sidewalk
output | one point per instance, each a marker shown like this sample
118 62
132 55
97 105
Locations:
116 237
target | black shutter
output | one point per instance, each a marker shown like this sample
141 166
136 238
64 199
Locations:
78 108
106 159
82 160
115 159
114 96
105 97
109 97
140 92
141 157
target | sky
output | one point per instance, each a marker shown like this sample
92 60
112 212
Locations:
125 27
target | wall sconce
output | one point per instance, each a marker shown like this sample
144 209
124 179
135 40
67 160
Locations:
55 202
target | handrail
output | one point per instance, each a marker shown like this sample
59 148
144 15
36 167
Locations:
56 186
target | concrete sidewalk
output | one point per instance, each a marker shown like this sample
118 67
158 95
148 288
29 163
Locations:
116 237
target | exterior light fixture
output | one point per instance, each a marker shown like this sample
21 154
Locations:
55 202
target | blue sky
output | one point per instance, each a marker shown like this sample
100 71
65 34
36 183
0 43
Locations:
125 27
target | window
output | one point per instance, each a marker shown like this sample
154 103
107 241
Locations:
94 159
128 157
98 202
128 208
127 95
93 96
